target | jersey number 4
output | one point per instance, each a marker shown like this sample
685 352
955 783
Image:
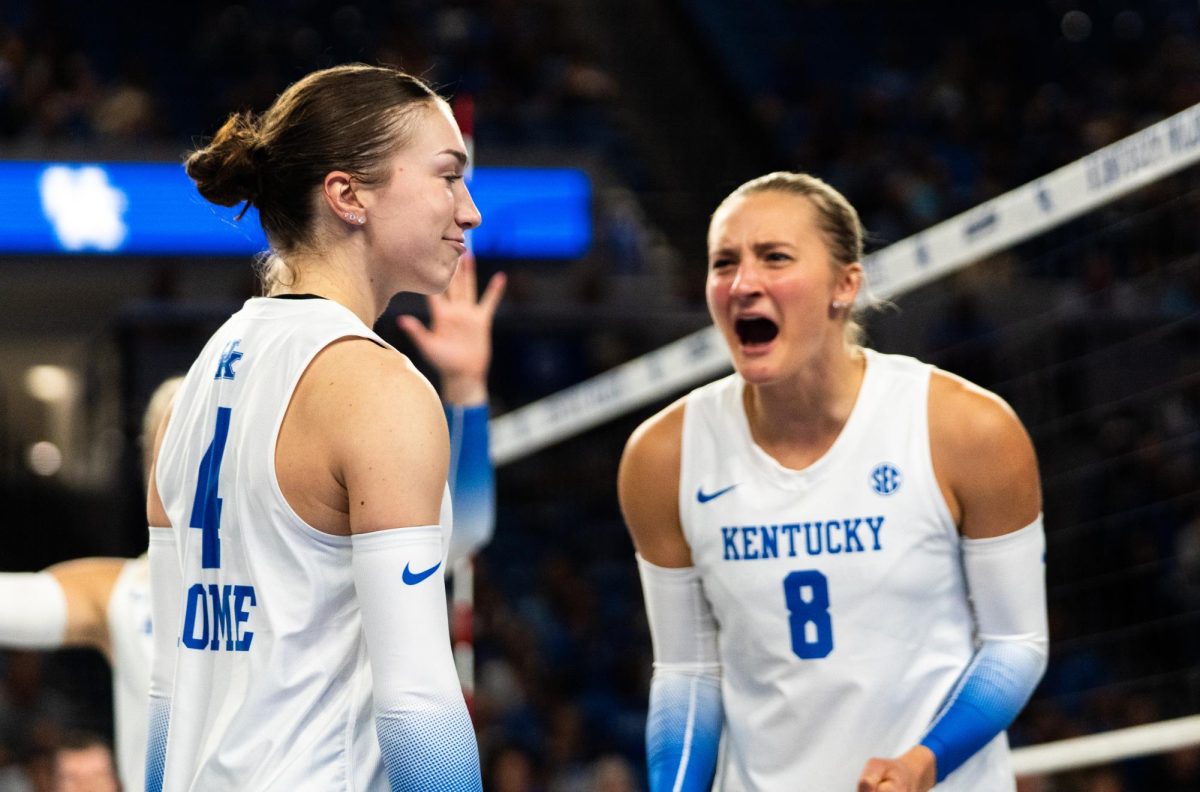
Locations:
206 506
806 593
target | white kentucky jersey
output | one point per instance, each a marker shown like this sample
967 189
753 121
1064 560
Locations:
132 641
838 589
272 687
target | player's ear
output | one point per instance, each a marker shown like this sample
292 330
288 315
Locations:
848 282
339 193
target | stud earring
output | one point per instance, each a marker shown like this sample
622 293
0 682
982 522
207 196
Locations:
353 218
837 305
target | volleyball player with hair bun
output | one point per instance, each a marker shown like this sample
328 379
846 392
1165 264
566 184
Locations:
841 551
298 505
104 603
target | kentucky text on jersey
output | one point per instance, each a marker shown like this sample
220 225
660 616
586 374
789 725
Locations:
210 617
829 537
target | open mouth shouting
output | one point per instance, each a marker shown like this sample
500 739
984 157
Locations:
755 332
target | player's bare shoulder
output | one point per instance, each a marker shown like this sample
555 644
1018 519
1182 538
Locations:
354 383
648 487
354 361
360 408
982 453
966 420
660 434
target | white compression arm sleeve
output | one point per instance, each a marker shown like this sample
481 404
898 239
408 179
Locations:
425 733
1006 576
33 611
683 725
1006 579
682 629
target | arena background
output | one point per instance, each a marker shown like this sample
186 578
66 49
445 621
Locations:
919 113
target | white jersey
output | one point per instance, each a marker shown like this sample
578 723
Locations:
129 631
272 683
838 589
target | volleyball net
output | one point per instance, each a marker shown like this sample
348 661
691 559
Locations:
1077 298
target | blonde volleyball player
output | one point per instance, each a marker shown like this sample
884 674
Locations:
841 551
104 603
298 535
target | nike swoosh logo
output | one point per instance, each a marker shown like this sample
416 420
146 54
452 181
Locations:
413 578
704 497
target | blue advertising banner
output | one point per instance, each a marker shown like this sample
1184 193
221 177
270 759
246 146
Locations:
153 209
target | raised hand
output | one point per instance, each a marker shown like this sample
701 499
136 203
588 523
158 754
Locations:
458 341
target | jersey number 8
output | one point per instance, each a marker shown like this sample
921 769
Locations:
808 616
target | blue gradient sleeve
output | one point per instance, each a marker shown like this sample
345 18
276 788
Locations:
430 748
472 479
166 589
425 734
988 696
156 742
683 730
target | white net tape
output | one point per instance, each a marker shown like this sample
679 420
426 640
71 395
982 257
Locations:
1113 746
1103 176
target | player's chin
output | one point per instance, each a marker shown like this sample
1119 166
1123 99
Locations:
449 270
436 277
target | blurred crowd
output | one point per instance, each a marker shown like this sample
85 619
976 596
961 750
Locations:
919 111
74 72
916 113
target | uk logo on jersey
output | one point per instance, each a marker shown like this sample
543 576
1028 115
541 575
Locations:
229 356
886 478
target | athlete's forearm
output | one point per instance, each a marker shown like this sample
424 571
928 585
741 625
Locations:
683 730
425 732
464 390
472 479
1006 579
685 717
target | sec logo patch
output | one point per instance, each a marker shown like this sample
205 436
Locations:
886 478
